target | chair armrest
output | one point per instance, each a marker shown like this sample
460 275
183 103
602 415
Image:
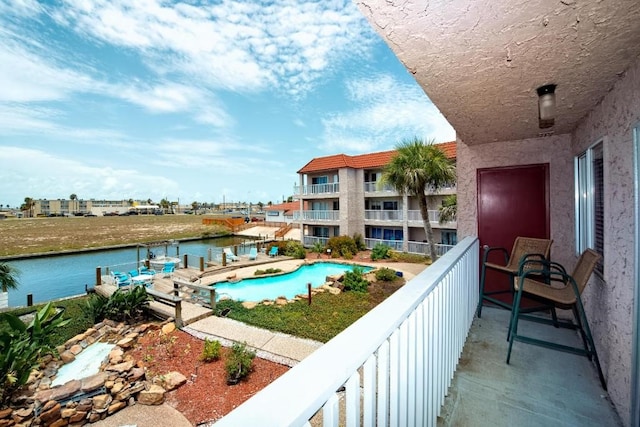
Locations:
488 250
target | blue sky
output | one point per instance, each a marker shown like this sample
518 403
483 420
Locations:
193 100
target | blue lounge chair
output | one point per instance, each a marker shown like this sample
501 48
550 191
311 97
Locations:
230 255
133 273
145 270
120 279
253 254
273 251
168 268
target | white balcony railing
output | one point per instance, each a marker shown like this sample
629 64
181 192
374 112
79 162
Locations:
412 247
434 216
376 187
309 241
395 363
311 189
396 245
380 215
316 215
423 248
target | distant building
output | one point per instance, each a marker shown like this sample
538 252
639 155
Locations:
282 212
342 196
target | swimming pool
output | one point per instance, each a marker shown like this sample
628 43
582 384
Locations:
288 285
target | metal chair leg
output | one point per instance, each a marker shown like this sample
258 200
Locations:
513 324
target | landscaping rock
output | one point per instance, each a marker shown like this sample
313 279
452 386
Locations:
101 402
93 382
249 304
153 396
173 380
168 328
50 414
67 357
126 343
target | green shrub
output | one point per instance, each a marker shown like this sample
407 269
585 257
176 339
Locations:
211 350
239 363
295 249
122 305
407 257
96 307
380 251
267 271
318 248
359 241
386 274
342 246
355 281
21 346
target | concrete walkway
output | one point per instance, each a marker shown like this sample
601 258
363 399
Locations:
275 346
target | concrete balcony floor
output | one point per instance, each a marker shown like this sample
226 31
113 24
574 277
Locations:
539 387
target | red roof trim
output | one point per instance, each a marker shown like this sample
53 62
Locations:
363 161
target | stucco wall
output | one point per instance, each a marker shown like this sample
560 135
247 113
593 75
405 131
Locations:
609 302
555 150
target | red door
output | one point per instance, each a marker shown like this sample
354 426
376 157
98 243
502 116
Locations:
512 201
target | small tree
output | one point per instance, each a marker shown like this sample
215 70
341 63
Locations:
449 209
21 346
417 167
8 277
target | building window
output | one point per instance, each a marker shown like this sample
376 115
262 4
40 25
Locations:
589 185
449 238
320 231
384 233
390 206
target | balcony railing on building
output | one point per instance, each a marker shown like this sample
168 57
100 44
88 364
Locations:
421 248
312 189
377 187
309 241
396 362
382 215
398 215
316 215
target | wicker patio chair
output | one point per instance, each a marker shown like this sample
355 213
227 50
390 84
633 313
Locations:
559 290
522 246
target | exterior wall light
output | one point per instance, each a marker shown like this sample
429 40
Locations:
546 106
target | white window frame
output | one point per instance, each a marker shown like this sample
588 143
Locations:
585 195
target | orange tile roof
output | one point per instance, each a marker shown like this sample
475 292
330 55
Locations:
363 161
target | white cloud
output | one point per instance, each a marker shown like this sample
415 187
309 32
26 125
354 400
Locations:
231 45
51 176
386 113
30 77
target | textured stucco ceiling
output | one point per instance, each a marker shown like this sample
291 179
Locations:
481 61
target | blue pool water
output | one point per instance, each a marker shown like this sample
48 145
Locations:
288 285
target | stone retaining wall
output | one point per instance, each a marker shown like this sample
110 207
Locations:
119 383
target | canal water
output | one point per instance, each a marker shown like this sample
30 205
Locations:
59 276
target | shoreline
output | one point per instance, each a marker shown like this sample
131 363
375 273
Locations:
98 248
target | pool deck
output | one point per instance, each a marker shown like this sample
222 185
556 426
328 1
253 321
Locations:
199 321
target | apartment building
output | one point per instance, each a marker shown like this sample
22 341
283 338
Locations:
66 207
342 195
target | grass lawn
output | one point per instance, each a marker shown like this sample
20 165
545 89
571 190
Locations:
37 235
73 309
327 315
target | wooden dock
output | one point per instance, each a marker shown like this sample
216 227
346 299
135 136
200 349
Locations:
183 295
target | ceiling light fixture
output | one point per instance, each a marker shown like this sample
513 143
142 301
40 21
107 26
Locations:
546 106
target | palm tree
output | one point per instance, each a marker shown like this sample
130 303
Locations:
164 204
8 277
449 209
73 198
28 205
416 167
